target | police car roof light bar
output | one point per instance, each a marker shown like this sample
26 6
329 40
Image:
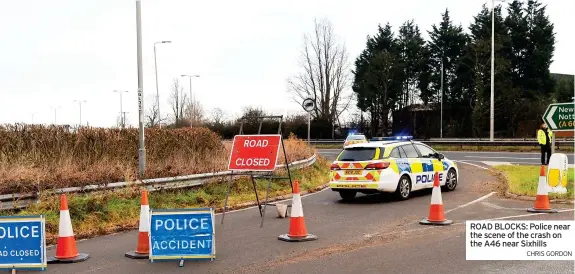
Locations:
393 138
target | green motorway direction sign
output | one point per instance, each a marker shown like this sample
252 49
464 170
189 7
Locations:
560 117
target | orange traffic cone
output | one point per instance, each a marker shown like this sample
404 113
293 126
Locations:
143 249
66 251
542 199
436 214
297 229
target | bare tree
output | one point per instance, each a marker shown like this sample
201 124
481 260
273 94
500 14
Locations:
217 116
195 113
121 120
326 73
153 118
178 101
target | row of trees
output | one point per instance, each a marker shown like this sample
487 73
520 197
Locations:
397 70
181 112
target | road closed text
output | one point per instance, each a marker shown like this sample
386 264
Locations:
20 253
251 162
254 152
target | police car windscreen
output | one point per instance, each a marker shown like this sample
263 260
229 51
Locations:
357 154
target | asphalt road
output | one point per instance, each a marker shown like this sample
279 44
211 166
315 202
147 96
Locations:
368 235
482 158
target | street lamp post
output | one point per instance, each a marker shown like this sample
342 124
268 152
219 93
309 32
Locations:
441 111
142 148
191 98
491 109
55 109
492 104
33 113
121 108
441 95
80 104
156 71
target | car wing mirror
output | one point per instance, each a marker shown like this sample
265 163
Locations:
440 156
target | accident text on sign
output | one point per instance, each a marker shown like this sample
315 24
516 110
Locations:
254 152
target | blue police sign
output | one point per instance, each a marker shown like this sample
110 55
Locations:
180 234
22 242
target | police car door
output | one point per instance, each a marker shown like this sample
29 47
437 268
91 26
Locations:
430 164
419 178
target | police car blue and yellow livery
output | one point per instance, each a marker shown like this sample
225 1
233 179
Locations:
390 164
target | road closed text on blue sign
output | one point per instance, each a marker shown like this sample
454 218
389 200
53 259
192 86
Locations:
182 234
22 242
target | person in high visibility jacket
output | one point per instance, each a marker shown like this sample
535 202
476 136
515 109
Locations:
545 136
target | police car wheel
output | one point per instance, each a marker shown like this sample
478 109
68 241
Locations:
450 181
347 194
403 190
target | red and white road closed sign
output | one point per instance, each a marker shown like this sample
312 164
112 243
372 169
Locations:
254 152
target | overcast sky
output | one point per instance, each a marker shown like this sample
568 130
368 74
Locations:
55 52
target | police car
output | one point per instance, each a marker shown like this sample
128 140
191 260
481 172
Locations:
396 165
354 138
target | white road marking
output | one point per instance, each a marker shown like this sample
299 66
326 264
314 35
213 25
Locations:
495 157
497 163
459 161
526 215
274 202
494 152
490 163
472 202
488 204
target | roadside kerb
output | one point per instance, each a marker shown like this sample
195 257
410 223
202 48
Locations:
18 201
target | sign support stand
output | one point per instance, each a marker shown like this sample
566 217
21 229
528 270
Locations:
268 176
552 142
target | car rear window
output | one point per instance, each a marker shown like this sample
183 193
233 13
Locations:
357 154
356 137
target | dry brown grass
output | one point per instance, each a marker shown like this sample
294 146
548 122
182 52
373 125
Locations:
36 157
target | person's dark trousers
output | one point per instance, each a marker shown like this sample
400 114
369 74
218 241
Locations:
545 154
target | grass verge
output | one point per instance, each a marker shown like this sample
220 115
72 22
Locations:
467 148
523 180
102 213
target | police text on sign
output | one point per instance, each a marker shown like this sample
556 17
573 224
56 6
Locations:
254 152
187 234
23 244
